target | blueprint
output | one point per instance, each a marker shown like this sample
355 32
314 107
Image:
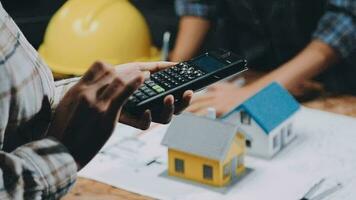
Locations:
324 148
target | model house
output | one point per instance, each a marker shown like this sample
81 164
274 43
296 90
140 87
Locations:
266 119
204 150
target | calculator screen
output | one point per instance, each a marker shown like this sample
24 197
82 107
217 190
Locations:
208 63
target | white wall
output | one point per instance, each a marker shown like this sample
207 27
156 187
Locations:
259 144
283 137
262 144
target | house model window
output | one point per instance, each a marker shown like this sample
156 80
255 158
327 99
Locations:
248 143
245 118
227 170
289 131
207 172
179 165
276 142
284 130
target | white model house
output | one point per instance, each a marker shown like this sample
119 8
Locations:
266 119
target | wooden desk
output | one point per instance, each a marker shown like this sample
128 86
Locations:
89 190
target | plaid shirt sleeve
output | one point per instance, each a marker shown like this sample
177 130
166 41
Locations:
201 8
32 166
337 26
61 88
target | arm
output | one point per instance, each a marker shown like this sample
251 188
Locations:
315 58
88 113
192 32
334 39
41 169
224 97
193 26
141 122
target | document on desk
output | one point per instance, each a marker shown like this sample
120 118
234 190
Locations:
324 148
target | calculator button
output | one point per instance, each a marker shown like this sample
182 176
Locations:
175 83
198 73
156 77
143 88
191 77
141 96
182 72
167 85
158 89
150 83
169 71
181 79
149 91
138 93
133 99
175 69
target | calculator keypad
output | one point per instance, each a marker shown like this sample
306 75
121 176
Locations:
165 80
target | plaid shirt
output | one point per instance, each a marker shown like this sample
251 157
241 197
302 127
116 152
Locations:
336 28
32 166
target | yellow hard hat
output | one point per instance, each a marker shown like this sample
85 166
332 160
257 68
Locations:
84 31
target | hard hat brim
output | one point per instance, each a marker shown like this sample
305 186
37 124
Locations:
80 70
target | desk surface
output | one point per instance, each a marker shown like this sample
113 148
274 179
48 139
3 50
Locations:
90 190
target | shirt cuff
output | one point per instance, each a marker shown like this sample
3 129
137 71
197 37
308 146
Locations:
52 170
61 88
191 8
338 31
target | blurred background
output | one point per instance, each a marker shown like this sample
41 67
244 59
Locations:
62 40
33 17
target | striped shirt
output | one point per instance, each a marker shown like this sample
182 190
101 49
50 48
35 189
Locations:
32 166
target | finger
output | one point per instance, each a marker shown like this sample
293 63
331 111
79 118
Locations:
195 107
125 70
118 82
126 67
121 92
213 87
143 122
107 78
165 116
102 83
187 97
155 66
95 72
202 97
146 74
202 112
121 67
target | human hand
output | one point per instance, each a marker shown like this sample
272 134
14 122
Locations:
169 108
88 113
222 96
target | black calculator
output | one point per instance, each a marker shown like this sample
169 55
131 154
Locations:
195 74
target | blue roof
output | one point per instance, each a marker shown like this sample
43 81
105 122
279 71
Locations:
270 107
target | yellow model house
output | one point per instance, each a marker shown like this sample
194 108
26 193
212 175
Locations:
204 150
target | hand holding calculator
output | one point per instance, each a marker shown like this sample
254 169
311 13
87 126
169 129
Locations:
195 74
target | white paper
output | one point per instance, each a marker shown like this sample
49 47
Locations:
324 148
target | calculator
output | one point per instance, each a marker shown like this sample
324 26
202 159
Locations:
195 74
